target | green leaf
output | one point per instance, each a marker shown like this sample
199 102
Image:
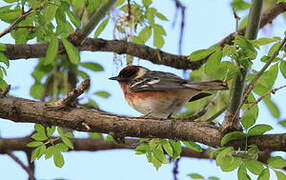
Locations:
232 136
196 176
259 129
239 5
102 94
276 162
283 123
35 144
61 147
37 91
265 175
92 66
272 107
38 152
177 147
74 19
282 68
161 16
93 103
192 145
3 83
213 62
267 80
50 152
52 51
242 173
72 52
273 49
213 178
39 136
200 54
95 135
59 159
4 59
249 116
77 3
49 12
2 47
254 166
101 27
159 154
11 1
168 148
146 3
60 131
145 33
264 41
280 175
50 130
67 142
69 135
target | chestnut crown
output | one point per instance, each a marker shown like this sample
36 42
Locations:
127 73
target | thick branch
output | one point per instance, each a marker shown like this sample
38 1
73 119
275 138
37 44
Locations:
231 121
87 144
23 110
18 51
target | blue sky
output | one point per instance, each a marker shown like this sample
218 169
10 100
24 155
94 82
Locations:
207 22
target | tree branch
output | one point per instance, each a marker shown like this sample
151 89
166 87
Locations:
26 51
88 144
21 164
23 110
231 121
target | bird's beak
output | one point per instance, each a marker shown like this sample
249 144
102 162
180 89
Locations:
115 78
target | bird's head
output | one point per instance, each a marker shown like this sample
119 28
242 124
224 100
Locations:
129 73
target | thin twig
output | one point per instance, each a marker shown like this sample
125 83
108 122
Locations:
237 19
250 86
175 169
272 91
20 163
70 98
5 91
18 20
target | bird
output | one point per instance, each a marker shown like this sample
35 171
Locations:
158 94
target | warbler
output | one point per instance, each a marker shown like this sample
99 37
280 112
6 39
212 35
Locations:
160 94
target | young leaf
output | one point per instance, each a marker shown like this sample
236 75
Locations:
101 27
194 146
52 51
72 52
145 33
92 66
282 68
37 91
254 166
200 54
74 19
59 159
259 129
265 175
67 142
283 123
35 144
102 94
242 173
168 148
280 175
196 176
276 162
4 59
146 3
161 16
232 136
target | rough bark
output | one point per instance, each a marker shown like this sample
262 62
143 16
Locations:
23 110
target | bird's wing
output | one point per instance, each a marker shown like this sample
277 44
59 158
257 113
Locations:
157 81
160 81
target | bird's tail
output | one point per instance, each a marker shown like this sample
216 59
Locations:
208 85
